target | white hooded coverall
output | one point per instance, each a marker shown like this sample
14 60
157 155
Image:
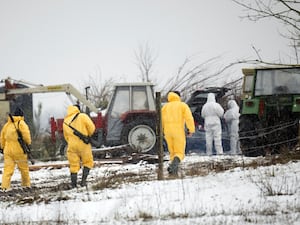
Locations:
231 117
212 112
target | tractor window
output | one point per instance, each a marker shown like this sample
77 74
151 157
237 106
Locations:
248 83
139 98
121 103
277 81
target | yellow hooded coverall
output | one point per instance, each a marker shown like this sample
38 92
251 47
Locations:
175 114
13 152
77 150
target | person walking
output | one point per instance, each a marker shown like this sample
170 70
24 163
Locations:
78 152
12 150
212 113
175 115
231 117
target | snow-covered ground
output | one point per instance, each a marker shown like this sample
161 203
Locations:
241 193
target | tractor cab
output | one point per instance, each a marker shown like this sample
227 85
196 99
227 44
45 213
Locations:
270 109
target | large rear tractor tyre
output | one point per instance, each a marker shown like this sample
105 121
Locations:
140 135
250 138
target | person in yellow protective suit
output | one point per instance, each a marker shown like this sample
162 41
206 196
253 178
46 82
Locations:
12 150
175 115
78 152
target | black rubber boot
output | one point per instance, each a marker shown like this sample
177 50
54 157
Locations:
85 174
74 180
173 168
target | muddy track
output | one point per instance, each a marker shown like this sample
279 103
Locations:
58 188
55 186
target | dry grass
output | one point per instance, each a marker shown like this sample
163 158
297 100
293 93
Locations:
116 179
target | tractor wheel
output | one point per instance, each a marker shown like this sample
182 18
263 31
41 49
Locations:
140 136
250 140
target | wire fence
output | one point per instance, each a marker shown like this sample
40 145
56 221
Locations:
267 130
284 135
253 146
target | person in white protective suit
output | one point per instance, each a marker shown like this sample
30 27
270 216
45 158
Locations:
212 113
231 117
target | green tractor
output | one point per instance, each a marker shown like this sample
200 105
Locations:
270 110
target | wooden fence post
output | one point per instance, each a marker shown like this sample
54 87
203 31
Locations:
299 133
159 137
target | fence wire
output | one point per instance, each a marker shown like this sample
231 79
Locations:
266 131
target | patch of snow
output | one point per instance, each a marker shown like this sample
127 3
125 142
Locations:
235 196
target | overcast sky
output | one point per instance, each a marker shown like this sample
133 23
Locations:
63 41
59 41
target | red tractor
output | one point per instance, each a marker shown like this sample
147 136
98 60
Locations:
130 119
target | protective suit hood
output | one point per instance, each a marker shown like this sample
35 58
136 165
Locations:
172 97
211 97
72 110
16 118
232 104
234 109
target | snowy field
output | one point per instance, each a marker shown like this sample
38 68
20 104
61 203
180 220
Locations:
210 190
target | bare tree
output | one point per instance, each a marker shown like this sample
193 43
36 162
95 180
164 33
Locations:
37 119
98 91
192 75
145 60
284 11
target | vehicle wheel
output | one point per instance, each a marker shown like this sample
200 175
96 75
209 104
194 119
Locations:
140 136
250 140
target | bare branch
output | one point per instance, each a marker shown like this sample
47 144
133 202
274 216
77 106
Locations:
145 61
257 53
284 11
190 78
99 90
